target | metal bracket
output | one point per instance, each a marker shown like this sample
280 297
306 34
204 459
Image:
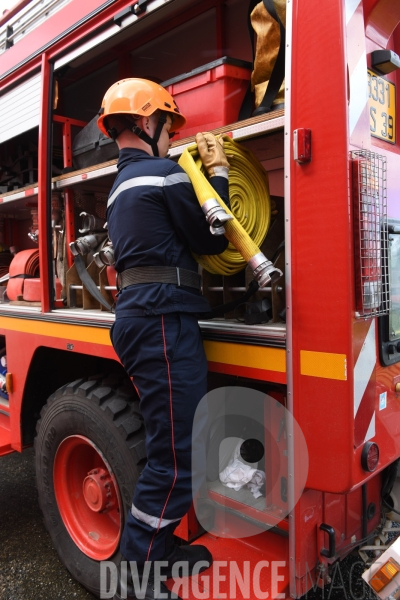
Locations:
134 9
9 32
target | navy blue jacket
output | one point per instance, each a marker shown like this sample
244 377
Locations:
154 218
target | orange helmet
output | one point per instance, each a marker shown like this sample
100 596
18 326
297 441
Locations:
138 97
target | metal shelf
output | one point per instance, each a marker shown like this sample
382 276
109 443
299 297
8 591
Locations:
88 174
271 335
219 330
241 130
253 127
238 131
20 194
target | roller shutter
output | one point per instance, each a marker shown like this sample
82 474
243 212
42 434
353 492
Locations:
20 108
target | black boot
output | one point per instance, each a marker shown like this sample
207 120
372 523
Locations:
190 555
146 588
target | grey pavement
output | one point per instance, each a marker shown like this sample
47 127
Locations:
29 566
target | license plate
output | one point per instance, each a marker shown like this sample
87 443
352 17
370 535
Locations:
382 107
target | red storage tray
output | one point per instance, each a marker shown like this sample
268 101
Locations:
211 95
32 289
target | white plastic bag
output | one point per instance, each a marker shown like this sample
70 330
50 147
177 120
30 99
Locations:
237 474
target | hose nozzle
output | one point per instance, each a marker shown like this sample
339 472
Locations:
86 244
34 236
105 256
263 269
91 223
215 216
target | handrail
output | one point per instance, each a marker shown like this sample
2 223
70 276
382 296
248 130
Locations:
13 11
23 18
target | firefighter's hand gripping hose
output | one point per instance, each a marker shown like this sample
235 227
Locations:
251 209
211 150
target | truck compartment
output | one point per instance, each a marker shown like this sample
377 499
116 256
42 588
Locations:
85 191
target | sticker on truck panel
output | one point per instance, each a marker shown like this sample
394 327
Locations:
382 107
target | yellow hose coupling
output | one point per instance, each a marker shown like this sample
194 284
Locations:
215 216
263 270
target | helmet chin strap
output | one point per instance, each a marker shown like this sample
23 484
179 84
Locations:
152 141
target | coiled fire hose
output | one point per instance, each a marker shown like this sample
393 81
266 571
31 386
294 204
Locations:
250 215
23 266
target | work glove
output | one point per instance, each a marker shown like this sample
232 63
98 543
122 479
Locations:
212 154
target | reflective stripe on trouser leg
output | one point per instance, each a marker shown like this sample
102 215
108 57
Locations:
165 357
154 522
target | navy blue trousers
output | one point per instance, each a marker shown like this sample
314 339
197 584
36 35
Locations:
165 357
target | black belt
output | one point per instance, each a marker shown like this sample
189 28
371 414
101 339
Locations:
161 274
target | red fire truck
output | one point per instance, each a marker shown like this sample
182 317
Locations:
326 349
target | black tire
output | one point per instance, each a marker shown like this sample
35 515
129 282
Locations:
108 415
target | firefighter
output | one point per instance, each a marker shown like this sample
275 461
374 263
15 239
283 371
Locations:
155 223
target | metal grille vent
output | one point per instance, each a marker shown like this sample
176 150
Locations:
371 233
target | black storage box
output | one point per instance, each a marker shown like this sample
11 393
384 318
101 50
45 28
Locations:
92 147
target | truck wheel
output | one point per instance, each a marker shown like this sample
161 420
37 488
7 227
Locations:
89 452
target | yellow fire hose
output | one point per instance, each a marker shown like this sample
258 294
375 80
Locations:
250 216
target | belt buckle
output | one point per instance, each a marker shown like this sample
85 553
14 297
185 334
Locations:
118 283
178 278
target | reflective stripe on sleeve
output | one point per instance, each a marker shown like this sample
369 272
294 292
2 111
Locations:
154 522
148 180
135 182
177 178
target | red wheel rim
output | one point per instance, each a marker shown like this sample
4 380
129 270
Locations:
87 497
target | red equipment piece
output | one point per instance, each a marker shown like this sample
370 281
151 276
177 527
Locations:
210 96
25 264
32 289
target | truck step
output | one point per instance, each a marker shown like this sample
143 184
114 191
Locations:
242 568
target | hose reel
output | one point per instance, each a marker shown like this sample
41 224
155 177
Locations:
250 206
